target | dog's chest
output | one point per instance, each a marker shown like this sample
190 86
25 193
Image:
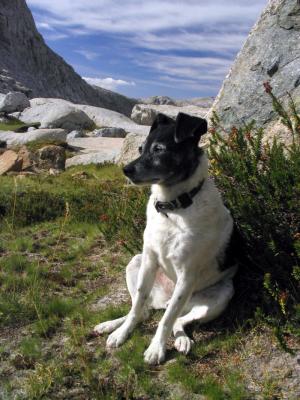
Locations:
168 237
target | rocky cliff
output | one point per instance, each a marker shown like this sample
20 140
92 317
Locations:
270 53
27 64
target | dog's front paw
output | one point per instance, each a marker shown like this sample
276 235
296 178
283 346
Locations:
155 354
117 338
104 327
183 344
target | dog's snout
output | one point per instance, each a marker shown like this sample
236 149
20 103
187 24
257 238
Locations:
128 169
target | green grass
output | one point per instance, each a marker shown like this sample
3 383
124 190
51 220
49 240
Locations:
64 244
13 125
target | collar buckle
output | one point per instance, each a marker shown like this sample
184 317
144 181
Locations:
162 206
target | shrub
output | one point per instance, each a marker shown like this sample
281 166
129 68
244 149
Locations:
261 187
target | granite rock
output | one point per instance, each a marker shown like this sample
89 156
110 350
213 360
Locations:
28 65
15 139
271 53
13 101
145 114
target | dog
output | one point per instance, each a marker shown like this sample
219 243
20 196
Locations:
183 267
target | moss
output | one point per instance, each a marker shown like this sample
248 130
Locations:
12 124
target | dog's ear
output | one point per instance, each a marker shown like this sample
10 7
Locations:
188 126
161 119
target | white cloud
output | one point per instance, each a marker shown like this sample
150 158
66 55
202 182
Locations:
135 16
44 25
53 36
221 42
88 54
188 30
191 68
108 83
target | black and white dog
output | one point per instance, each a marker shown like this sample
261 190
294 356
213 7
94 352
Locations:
188 231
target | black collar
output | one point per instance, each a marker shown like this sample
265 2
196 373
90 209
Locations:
182 201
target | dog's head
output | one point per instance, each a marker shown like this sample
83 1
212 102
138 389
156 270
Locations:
170 153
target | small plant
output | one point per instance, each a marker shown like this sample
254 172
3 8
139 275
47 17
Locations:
261 186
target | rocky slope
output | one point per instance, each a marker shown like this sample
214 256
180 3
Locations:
270 53
25 61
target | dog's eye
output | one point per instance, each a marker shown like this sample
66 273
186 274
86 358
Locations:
157 148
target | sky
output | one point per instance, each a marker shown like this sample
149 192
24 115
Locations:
140 48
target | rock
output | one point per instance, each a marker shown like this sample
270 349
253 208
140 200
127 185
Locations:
75 134
270 53
66 117
100 116
109 132
203 102
28 65
130 148
14 138
158 100
110 147
27 158
3 144
92 158
278 130
145 114
95 150
51 157
13 101
9 161
31 129
57 115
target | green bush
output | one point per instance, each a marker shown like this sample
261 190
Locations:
260 183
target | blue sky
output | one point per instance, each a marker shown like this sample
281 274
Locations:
178 48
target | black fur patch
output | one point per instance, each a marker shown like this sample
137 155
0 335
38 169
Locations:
233 251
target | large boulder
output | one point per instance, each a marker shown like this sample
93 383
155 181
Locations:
15 139
270 53
27 64
130 148
9 161
92 158
203 102
101 117
13 101
158 100
95 150
51 156
57 115
145 114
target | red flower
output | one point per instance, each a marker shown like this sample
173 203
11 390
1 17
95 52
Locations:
248 135
268 87
104 218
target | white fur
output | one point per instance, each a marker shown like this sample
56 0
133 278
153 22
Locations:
178 269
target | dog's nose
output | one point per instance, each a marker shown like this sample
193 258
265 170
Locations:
128 169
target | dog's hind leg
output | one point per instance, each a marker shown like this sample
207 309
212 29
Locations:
203 306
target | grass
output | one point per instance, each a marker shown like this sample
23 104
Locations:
64 244
15 125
